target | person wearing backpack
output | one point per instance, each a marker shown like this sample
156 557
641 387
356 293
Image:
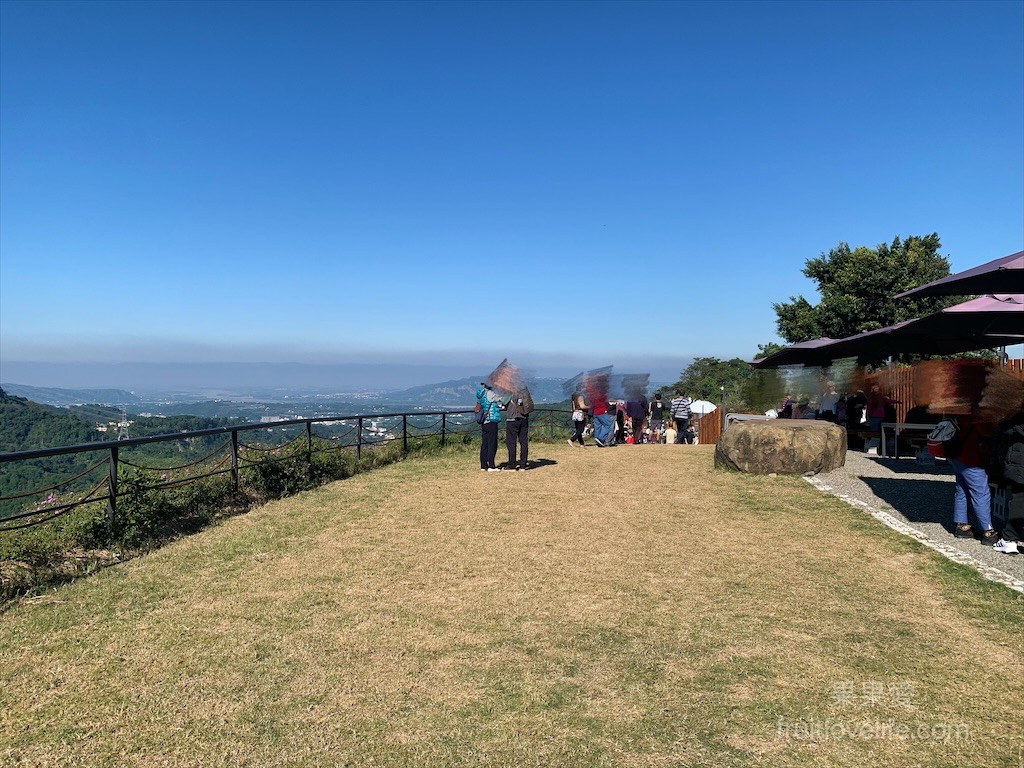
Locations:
517 428
969 459
489 405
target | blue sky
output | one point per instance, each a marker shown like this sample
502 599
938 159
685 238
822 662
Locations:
565 184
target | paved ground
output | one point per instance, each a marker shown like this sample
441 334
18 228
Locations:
919 496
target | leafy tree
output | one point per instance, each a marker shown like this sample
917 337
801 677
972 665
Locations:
857 288
764 350
703 378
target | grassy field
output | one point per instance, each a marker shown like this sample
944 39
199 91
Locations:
622 607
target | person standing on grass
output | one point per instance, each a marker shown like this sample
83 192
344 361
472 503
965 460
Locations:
579 418
490 405
681 414
656 413
517 431
637 412
602 421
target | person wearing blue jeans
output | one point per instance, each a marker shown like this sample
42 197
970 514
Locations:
603 429
972 481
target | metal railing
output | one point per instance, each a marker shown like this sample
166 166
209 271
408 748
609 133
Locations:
230 457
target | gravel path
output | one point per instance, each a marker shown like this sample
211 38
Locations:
917 500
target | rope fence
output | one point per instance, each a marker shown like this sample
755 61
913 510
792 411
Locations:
297 442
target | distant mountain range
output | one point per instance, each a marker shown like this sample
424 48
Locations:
65 397
256 402
463 392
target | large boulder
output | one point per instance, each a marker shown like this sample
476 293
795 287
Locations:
785 446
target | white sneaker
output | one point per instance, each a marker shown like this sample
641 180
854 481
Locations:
1007 547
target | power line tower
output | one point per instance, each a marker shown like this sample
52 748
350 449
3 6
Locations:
122 426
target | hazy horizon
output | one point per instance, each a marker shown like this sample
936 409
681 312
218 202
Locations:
339 377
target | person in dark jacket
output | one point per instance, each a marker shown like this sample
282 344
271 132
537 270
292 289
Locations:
1007 466
637 412
517 432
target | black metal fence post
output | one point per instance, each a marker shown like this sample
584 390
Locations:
234 460
405 433
112 487
359 439
309 450
443 424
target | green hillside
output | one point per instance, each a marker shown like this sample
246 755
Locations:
25 426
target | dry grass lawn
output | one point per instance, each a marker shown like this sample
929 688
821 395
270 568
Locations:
620 607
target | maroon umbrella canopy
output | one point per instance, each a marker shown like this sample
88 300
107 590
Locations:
983 323
801 353
1005 275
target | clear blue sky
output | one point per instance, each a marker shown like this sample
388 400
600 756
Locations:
560 183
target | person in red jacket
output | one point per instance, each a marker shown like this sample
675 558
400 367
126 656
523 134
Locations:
969 464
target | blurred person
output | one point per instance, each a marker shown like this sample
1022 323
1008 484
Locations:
517 431
602 421
620 424
786 411
657 413
636 410
1007 467
691 434
828 403
680 410
969 462
855 408
579 418
876 408
490 405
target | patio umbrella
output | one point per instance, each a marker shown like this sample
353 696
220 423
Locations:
702 406
1004 275
983 323
801 353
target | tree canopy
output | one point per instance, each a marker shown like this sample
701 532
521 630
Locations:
703 378
857 288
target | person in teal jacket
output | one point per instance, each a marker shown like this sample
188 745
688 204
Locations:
490 404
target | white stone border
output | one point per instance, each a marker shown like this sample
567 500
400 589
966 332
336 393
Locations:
990 573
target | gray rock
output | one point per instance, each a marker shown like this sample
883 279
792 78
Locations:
783 446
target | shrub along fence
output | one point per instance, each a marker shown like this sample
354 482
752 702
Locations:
269 459
94 504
